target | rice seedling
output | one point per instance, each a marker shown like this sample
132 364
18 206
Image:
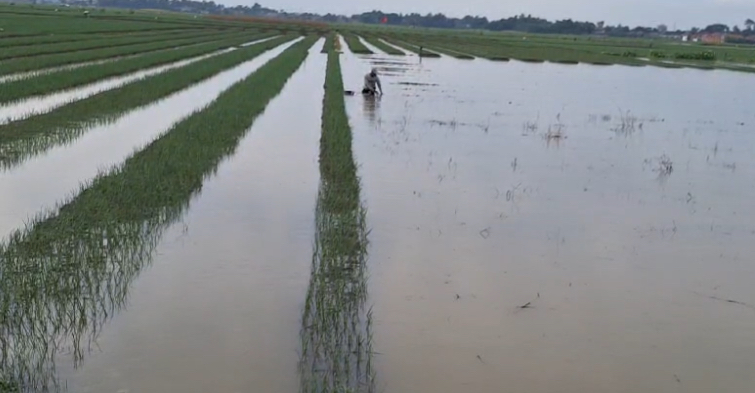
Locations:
63 47
354 44
18 23
25 64
329 42
447 52
23 139
48 83
411 47
374 41
627 123
336 334
54 39
69 271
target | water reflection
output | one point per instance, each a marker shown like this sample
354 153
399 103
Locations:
371 107
336 333
68 273
62 281
30 137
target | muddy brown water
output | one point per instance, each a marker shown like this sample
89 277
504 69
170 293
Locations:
630 243
533 228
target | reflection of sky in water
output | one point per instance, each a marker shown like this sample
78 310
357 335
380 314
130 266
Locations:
464 198
371 107
43 182
220 307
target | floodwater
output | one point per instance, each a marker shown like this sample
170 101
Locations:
556 228
29 187
532 228
29 74
43 104
219 309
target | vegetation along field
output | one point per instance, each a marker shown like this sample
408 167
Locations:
196 203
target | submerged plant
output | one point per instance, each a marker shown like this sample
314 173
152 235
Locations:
354 44
69 271
23 139
336 333
48 83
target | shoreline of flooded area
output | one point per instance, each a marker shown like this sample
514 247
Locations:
29 186
578 229
222 300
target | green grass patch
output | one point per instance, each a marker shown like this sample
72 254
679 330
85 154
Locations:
69 271
23 139
49 83
336 333
354 44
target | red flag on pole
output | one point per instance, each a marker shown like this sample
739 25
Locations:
384 20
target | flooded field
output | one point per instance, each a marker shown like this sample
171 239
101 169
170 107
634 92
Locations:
483 227
549 228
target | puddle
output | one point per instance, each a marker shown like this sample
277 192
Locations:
220 307
515 244
43 182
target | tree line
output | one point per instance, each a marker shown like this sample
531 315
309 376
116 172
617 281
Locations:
523 23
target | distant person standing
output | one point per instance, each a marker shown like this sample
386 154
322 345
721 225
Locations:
372 83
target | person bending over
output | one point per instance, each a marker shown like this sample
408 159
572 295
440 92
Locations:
372 83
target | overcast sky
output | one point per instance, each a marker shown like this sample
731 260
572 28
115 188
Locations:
683 13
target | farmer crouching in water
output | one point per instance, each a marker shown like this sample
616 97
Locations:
372 83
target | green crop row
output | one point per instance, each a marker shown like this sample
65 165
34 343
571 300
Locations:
48 83
109 42
58 38
61 59
105 234
336 331
411 48
376 42
20 24
329 43
355 46
442 50
20 140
